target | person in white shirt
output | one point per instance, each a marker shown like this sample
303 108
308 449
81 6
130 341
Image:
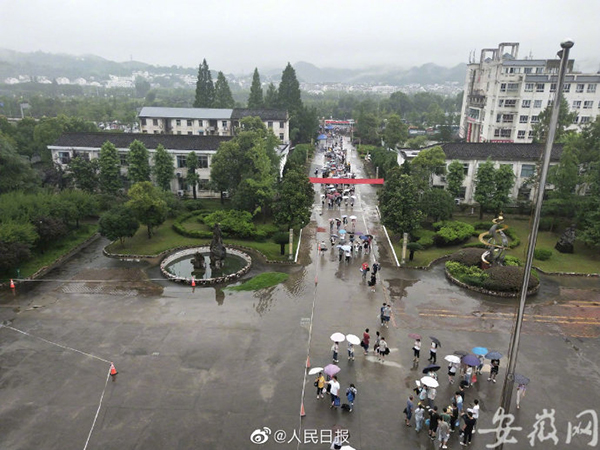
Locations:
333 390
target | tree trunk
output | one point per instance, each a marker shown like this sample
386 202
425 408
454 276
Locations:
149 232
480 212
194 191
282 249
222 198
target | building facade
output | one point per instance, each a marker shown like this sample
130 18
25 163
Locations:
209 121
504 95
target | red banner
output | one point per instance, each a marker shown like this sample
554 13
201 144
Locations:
346 180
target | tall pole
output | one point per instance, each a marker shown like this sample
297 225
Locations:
513 349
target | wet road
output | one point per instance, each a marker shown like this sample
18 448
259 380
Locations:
206 368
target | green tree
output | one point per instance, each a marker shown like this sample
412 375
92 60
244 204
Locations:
15 171
308 124
142 87
396 131
138 161
255 100
192 177
565 120
485 186
84 173
205 90
118 223
109 164
504 180
24 137
290 99
430 161
223 96
399 203
76 205
437 204
148 205
295 196
271 98
163 168
455 178
367 128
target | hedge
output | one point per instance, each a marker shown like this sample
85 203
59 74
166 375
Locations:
452 233
542 254
468 256
508 279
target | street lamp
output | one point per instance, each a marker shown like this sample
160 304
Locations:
513 348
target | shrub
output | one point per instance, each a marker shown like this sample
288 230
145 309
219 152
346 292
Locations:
475 245
483 225
512 261
424 237
471 275
468 256
542 254
192 205
452 233
267 229
233 222
507 279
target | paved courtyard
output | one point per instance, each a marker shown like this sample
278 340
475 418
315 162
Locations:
207 368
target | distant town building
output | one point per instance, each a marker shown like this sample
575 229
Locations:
504 95
210 121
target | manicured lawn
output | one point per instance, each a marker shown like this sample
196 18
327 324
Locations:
263 280
584 260
165 238
60 248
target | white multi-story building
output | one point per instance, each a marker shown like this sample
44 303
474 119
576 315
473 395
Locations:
504 95
210 121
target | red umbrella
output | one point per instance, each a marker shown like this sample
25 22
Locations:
414 336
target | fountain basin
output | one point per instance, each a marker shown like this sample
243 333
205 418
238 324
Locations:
178 266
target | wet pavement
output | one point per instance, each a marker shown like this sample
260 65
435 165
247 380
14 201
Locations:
207 368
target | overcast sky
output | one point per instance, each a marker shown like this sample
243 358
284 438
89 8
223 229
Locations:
237 35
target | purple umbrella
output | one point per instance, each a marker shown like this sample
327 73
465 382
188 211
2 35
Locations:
470 360
331 369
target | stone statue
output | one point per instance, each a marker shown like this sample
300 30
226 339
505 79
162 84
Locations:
565 243
217 249
497 243
198 262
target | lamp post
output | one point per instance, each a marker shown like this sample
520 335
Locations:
513 348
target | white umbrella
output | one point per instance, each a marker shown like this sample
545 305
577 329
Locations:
337 337
430 382
344 216
315 370
347 447
353 196
353 339
352 217
452 358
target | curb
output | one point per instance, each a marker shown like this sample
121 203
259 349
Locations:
488 292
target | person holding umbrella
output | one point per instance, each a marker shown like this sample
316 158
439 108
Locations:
495 364
417 349
335 348
435 343
521 389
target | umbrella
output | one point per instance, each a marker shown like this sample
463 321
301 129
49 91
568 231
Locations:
315 370
470 360
480 350
436 340
331 369
337 337
414 336
352 217
353 196
521 379
331 186
335 236
363 237
346 248
353 339
342 231
322 195
346 197
431 368
461 353
452 358
430 382
493 355
344 216
347 447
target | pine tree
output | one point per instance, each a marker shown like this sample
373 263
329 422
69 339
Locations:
255 100
163 168
289 92
205 90
271 97
223 96
110 169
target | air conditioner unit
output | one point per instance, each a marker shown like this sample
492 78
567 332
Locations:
442 178
180 193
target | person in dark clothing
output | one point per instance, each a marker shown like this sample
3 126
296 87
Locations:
433 422
468 429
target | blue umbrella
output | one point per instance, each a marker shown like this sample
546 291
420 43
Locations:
342 231
493 355
480 350
521 379
322 137
470 360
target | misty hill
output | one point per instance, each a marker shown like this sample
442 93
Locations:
426 74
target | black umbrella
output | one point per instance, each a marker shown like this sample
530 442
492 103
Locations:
461 353
431 368
436 340
521 379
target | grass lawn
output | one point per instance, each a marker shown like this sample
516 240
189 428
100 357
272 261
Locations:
166 238
584 260
60 248
261 281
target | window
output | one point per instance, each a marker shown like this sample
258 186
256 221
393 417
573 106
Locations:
474 113
539 87
281 136
202 162
530 134
224 124
269 124
552 87
64 157
588 104
143 122
498 118
155 131
521 134
189 123
527 70
203 184
512 87
503 87
281 124
549 104
181 161
528 87
155 122
537 103
527 170
179 132
178 122
510 103
567 87
539 70
535 119
190 133
500 103
579 88
524 193
576 120
585 119
576 104
466 169
591 88
123 159
502 132
507 118
523 119
200 133
526 104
